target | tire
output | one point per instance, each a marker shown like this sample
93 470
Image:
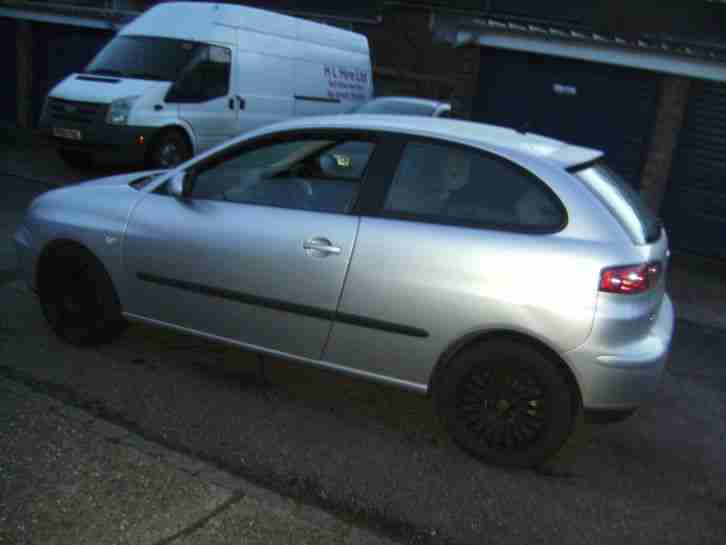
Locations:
605 418
78 298
506 403
78 160
169 149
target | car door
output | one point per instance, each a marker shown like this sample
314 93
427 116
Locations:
445 250
206 97
258 251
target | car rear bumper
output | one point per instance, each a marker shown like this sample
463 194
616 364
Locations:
624 378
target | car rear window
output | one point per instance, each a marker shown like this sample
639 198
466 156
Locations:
623 201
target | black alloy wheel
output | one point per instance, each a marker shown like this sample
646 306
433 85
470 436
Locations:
78 299
506 402
506 409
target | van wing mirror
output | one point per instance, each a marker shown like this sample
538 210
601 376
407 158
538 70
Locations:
179 185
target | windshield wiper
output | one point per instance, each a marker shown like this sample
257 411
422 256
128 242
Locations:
106 72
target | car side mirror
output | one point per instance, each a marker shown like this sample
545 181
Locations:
179 185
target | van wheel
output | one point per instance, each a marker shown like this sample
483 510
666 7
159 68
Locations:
169 149
78 298
78 160
506 403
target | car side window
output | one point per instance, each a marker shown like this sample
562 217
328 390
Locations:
205 77
452 184
321 175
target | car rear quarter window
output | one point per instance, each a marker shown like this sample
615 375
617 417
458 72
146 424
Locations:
623 201
463 186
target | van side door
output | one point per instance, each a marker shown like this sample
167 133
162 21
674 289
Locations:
265 78
205 95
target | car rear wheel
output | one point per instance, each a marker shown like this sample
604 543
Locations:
506 403
78 298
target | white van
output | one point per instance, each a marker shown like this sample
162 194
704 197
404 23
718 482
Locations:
185 76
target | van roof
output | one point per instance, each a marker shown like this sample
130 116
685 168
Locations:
194 21
492 137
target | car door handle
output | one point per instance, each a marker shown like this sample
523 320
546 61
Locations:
320 247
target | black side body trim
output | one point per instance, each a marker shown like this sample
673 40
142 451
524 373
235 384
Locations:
390 327
318 99
276 304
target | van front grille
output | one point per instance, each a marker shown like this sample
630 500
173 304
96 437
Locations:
78 112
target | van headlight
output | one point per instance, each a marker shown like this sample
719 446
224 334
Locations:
118 112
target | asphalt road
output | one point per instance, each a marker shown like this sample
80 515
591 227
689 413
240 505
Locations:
378 455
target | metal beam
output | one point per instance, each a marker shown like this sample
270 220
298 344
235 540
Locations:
60 19
606 54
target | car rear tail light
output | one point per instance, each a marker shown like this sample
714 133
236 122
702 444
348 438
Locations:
631 279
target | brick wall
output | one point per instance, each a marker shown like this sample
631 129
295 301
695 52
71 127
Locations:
664 138
407 61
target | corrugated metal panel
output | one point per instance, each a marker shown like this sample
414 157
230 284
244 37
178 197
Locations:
9 87
599 106
695 203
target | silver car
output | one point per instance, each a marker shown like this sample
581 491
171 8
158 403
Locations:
514 278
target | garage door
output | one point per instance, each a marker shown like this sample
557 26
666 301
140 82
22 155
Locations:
695 204
9 86
60 50
596 105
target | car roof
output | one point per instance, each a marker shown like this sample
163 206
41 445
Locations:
491 137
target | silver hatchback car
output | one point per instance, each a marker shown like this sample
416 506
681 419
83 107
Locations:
514 278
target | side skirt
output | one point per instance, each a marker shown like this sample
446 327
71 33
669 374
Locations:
421 389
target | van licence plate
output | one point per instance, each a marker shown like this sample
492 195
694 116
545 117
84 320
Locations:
68 134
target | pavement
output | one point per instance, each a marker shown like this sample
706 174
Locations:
164 439
68 477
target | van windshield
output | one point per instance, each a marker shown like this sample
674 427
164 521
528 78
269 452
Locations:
143 57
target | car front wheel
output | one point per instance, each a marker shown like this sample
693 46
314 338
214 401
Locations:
169 149
506 403
78 298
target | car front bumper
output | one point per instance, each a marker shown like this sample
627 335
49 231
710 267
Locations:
623 379
26 255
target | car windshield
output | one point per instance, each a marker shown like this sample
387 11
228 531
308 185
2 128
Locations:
622 200
395 107
143 57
